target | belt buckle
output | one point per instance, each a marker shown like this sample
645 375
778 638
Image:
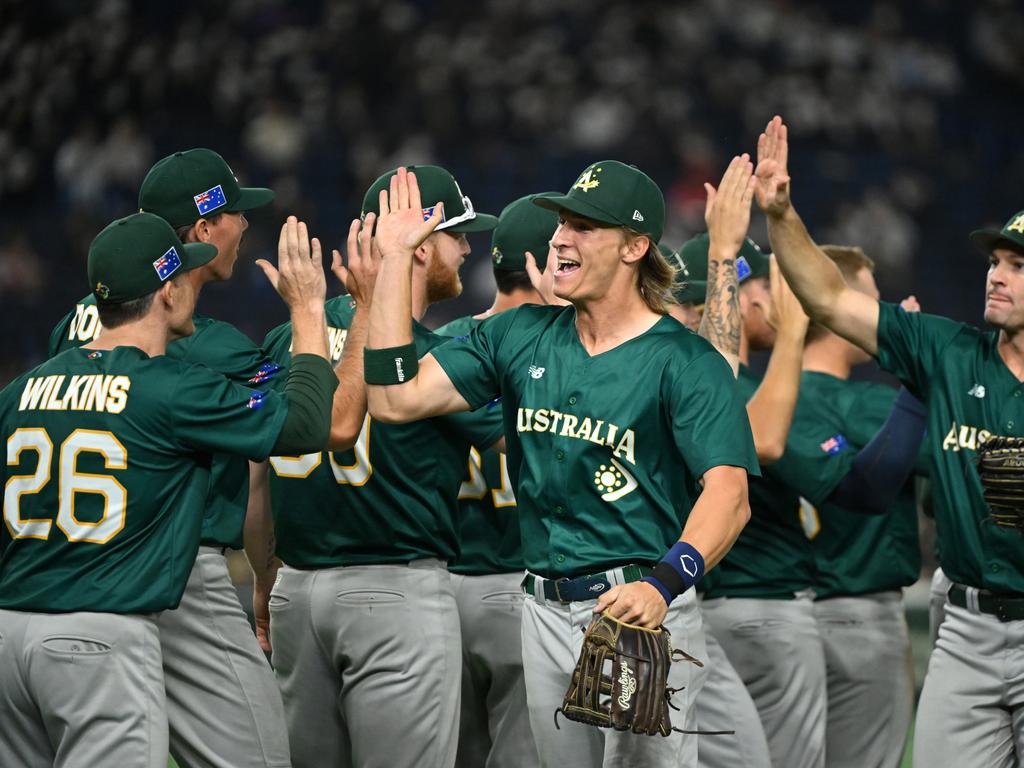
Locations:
1001 610
558 592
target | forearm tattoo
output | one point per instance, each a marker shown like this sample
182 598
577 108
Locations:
721 322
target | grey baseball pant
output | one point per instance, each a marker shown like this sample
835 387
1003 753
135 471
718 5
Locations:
552 640
870 680
494 725
369 659
937 602
80 690
223 704
971 710
775 648
725 705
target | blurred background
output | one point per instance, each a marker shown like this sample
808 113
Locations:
905 122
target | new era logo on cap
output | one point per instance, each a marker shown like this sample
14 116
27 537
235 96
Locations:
210 200
637 216
167 264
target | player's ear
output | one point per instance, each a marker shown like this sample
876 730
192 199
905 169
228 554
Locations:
202 231
635 248
426 248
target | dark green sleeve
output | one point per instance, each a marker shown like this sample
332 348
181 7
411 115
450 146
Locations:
471 361
481 427
223 348
910 345
215 415
709 416
309 392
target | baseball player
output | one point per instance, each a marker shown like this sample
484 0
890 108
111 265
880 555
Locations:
494 725
758 604
105 484
971 384
862 562
613 412
364 623
223 704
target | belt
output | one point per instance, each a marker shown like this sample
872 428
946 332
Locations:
588 587
1003 607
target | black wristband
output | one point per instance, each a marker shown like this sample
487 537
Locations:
392 365
668 576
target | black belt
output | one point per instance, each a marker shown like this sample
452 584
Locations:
588 587
1003 607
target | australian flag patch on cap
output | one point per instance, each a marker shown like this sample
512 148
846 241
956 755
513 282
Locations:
742 269
833 445
428 212
167 264
210 200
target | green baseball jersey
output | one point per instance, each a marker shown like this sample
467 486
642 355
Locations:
854 553
107 473
602 449
224 349
489 537
390 499
956 370
772 558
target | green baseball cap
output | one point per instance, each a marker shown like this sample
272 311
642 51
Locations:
616 194
691 264
522 227
436 186
132 257
187 186
1011 236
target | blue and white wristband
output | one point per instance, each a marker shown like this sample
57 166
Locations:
680 568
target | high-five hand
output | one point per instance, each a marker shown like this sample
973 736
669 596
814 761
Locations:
299 275
401 227
772 168
727 211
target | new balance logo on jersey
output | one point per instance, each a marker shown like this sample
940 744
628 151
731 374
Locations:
637 216
536 372
977 391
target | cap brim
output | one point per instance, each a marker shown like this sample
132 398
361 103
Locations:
198 254
694 292
482 222
577 206
987 240
251 197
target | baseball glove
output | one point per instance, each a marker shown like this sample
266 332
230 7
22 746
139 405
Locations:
621 678
1001 467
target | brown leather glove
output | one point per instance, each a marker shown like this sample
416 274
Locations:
1001 467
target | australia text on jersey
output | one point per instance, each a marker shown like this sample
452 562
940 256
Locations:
596 431
964 436
88 392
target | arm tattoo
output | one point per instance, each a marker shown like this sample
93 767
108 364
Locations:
721 322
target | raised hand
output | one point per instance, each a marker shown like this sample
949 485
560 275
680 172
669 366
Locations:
772 171
786 315
727 211
401 228
299 276
360 277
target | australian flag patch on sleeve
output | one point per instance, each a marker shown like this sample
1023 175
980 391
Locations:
210 200
265 372
833 445
256 400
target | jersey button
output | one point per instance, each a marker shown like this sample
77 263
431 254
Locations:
559 511
560 455
572 400
995 567
559 558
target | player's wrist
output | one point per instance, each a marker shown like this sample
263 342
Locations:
681 568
